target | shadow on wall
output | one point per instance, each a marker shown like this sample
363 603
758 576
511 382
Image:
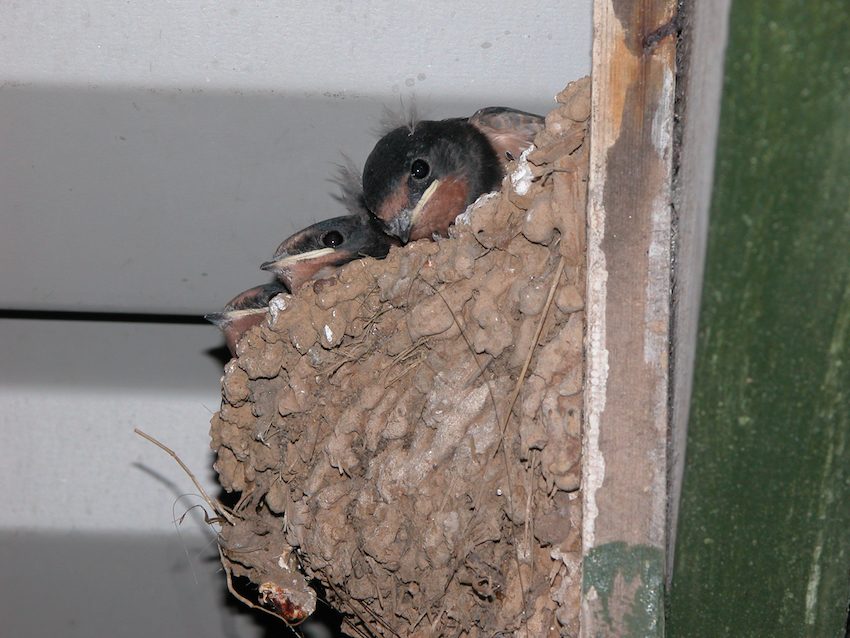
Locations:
167 201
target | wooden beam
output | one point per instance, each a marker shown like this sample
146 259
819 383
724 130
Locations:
629 202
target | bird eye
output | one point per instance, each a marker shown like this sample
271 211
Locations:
419 169
333 239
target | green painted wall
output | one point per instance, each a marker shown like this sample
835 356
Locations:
764 536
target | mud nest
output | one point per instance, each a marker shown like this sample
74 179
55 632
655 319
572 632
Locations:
408 433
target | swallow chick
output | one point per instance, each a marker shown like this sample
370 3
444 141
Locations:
244 311
420 177
320 250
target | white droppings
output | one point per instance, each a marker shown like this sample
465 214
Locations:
464 217
277 305
522 176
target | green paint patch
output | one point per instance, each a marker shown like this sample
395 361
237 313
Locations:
629 585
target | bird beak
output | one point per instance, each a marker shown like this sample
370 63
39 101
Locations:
222 319
285 262
235 323
402 225
218 319
296 270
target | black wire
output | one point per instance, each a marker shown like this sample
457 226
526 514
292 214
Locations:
120 317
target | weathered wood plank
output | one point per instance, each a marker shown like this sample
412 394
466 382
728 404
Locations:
628 311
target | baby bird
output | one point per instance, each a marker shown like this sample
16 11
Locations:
419 178
320 250
244 311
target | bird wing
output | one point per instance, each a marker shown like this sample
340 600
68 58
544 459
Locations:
510 131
